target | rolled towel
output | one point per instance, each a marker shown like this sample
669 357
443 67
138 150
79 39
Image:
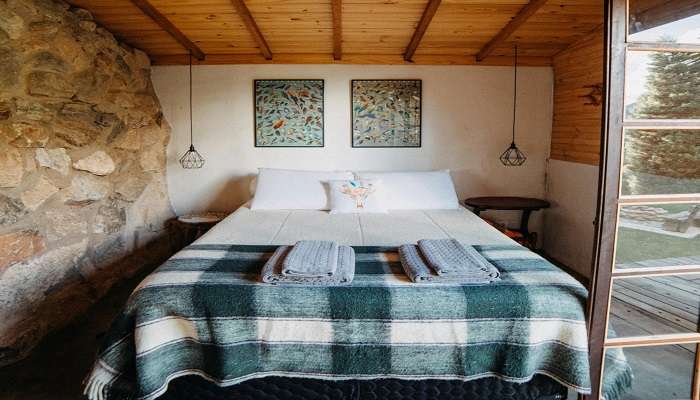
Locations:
418 270
311 259
450 257
272 270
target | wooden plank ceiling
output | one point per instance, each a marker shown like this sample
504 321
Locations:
349 31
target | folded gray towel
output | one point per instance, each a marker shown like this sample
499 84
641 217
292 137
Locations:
272 271
450 257
311 259
413 264
417 269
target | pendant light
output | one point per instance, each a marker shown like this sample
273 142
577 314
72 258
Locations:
191 159
513 157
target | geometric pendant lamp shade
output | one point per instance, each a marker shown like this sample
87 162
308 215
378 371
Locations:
513 157
191 159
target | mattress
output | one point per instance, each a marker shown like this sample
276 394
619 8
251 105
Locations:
281 227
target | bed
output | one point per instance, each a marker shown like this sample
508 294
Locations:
204 314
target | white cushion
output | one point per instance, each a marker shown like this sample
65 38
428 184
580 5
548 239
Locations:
286 189
356 196
430 190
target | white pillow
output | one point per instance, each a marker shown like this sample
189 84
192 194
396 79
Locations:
287 189
429 190
356 196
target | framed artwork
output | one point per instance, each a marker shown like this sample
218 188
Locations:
288 112
386 113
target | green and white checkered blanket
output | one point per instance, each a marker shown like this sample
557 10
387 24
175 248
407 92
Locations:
205 312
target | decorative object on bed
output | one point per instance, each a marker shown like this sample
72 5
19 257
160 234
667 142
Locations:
416 266
419 190
274 271
386 113
450 258
288 112
356 196
287 189
513 157
191 159
381 325
527 205
311 259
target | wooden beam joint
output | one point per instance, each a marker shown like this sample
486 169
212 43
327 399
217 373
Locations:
423 24
520 18
160 19
253 28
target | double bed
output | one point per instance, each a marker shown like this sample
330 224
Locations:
204 313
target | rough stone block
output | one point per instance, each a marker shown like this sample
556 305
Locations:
11 167
11 210
98 163
56 159
87 188
49 84
36 195
19 246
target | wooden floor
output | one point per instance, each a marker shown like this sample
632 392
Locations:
658 305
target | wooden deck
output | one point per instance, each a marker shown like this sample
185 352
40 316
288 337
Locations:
651 306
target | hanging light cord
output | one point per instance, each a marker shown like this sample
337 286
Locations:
515 87
191 141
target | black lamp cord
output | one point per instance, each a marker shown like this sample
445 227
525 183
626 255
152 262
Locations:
515 88
191 142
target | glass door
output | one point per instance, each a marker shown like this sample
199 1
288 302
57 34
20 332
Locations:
645 297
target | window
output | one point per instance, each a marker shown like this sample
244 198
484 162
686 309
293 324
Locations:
646 296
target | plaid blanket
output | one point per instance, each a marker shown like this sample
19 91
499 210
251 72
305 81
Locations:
205 312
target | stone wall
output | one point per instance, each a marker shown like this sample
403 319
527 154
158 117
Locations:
83 201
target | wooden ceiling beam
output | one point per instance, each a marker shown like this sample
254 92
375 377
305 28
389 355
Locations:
252 26
337 10
520 18
168 26
425 19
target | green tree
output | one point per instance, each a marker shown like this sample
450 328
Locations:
672 92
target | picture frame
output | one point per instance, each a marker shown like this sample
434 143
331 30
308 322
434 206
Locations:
386 113
289 112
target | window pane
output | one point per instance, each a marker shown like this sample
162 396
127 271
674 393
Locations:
664 21
658 236
658 372
661 161
654 305
662 85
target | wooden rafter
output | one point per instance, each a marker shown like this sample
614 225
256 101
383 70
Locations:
337 9
425 19
252 26
520 18
168 26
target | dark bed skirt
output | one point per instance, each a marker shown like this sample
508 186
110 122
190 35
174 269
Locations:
278 388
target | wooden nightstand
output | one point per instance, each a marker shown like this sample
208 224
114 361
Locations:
191 227
525 204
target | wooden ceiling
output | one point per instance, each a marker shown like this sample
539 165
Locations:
348 31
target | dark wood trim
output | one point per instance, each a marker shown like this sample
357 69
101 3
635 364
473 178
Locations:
160 19
252 26
516 22
423 24
608 184
337 11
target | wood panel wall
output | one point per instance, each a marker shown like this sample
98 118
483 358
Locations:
578 78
